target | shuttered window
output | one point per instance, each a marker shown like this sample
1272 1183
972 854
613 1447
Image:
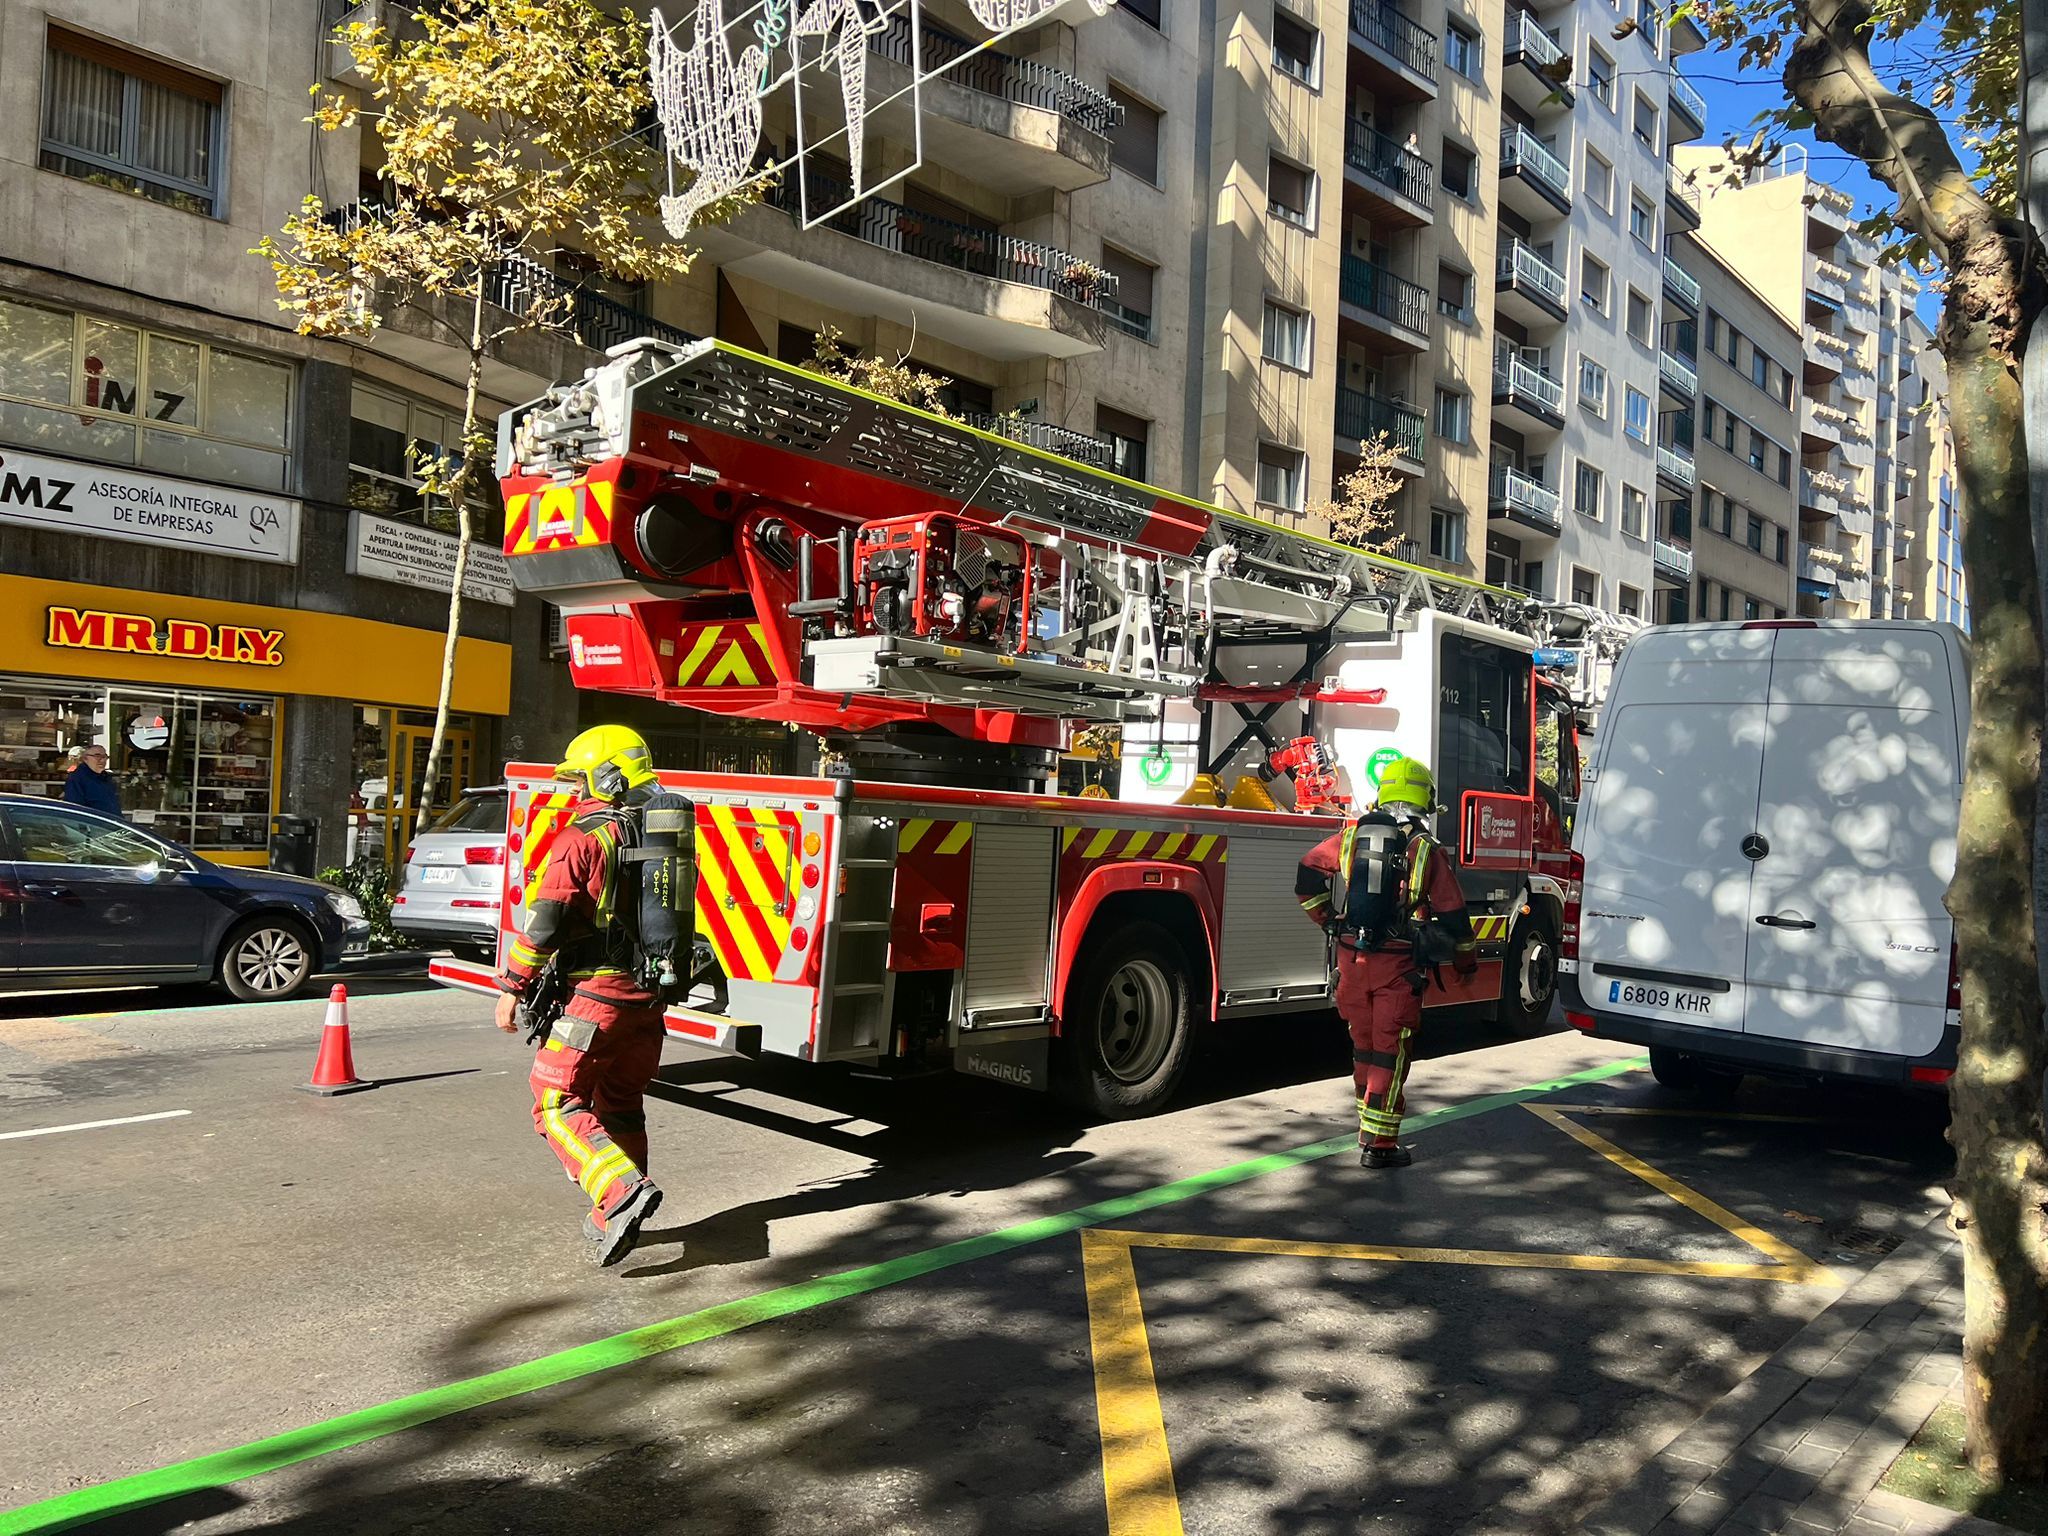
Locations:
126 121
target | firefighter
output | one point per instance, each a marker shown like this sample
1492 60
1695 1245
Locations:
593 1068
1387 894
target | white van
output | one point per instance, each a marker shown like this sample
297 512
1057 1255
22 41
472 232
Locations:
1767 830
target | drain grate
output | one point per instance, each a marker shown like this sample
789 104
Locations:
1864 1240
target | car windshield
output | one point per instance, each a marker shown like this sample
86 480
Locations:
475 813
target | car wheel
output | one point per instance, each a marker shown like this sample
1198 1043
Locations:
1688 1074
268 959
1126 1025
1528 978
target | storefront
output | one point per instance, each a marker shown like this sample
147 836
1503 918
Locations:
218 716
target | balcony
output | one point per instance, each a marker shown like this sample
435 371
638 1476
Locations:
1540 84
1533 181
1525 397
1527 288
1396 185
1013 125
1680 379
1853 586
1681 285
974 286
1828 215
1673 562
1688 110
1821 426
1681 205
1686 33
1397 57
1826 356
1857 516
1675 466
1361 416
1078 446
1524 500
1389 307
1829 281
1821 492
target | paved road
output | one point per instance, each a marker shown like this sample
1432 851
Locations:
1484 1342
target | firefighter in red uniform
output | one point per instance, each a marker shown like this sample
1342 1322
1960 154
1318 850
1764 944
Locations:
593 1068
1388 895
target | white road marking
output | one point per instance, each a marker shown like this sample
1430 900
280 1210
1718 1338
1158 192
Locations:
93 1125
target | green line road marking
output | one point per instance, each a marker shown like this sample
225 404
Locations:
220 1468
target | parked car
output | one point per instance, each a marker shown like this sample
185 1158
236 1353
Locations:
1768 828
88 901
449 896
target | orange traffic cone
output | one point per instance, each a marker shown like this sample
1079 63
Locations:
335 1071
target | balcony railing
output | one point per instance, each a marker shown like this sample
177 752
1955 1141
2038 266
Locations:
1835 202
1676 464
1820 490
1371 287
1518 265
1687 99
1672 559
1516 375
966 247
1687 197
1526 38
1361 416
1521 150
1819 571
1679 374
1681 283
1408 42
1025 82
1525 496
1078 446
1389 163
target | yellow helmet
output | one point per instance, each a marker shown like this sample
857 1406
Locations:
607 760
1406 782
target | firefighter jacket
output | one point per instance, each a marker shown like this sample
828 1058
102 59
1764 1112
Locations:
1430 892
575 915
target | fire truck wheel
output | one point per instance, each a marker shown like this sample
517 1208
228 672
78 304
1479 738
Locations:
1528 977
1127 1024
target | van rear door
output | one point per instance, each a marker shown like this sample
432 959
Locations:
1848 939
1664 931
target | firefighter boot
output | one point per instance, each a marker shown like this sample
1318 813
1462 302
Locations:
1391 1155
614 1232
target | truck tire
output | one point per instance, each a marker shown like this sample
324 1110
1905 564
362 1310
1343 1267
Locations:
1127 1024
1528 976
1688 1074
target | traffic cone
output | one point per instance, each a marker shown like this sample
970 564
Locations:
335 1070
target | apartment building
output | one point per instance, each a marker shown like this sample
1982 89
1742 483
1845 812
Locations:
1928 580
1745 534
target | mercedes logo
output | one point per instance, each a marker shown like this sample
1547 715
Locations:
1754 847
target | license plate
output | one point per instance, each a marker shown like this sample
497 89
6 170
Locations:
1637 994
433 875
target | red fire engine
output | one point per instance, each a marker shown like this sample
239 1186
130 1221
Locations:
944 606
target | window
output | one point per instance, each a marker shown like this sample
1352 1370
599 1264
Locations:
1634 512
1447 535
388 440
1586 490
1146 11
1297 49
1760 369
1286 337
1461 51
1642 218
1131 309
127 121
1646 123
1129 438
1726 597
1599 180
1592 386
1759 451
1781 389
1637 421
1134 143
50 836
1460 167
1585 587
1784 547
1755 538
1784 466
1593 282
1706 598
1290 192
1642 318
1650 23
1600 75
1453 293
1453 416
1629 602
1729 345
78 385
1751 608
1280 476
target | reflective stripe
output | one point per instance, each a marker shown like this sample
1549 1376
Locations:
1310 903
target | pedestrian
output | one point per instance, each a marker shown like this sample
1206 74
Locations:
591 1072
1387 894
88 783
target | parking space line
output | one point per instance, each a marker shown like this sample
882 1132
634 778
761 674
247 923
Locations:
1137 1472
1659 1112
93 1125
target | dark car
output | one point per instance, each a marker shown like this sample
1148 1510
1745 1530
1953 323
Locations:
88 901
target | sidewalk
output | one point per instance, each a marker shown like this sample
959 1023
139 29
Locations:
1800 1445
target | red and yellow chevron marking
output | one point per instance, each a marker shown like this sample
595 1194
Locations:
1087 843
548 814
577 515
1487 929
746 874
940 838
724 655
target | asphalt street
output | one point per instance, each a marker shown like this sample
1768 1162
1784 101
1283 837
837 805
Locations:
869 1306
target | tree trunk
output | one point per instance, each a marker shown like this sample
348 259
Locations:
2034 192
464 535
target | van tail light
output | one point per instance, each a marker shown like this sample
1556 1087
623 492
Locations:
494 854
1955 978
1574 894
1934 1075
1583 1021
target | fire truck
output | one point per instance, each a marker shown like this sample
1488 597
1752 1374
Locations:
945 607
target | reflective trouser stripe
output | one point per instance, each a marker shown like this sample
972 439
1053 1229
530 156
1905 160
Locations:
1379 1114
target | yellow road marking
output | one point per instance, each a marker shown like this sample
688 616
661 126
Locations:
1137 1471
54 1040
1693 1114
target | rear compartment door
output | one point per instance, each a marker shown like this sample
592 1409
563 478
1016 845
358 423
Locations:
1664 930
1848 938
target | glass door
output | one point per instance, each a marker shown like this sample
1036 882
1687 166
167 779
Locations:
409 746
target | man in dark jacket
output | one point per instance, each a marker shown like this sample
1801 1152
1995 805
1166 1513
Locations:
89 784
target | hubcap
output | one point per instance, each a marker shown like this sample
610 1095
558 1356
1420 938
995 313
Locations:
270 960
1538 979
1136 1023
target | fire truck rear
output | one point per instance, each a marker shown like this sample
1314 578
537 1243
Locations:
944 607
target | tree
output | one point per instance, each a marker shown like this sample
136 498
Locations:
1362 511
1964 59
893 378
512 137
